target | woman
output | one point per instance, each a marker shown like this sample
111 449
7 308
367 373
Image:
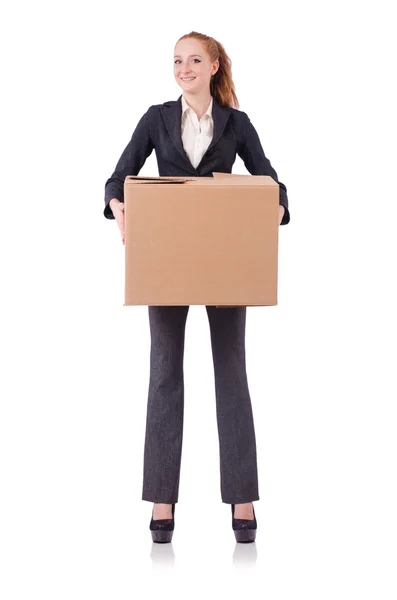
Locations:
196 135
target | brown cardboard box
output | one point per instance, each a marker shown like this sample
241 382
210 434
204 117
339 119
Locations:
201 240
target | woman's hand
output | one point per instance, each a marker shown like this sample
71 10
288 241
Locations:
118 212
281 211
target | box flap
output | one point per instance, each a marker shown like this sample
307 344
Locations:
134 179
218 179
248 179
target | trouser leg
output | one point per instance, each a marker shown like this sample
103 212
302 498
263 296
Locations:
164 421
237 444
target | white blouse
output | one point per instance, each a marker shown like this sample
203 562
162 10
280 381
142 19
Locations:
196 135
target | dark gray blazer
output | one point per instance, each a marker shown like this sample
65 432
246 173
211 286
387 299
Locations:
160 128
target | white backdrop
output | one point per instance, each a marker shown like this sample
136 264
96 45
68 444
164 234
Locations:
316 80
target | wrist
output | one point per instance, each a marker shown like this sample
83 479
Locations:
113 202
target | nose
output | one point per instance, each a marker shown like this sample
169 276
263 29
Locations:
185 69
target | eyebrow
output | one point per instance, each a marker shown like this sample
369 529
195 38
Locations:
190 55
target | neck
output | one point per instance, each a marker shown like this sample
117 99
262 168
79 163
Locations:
198 102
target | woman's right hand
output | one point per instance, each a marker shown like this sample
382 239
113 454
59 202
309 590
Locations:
117 208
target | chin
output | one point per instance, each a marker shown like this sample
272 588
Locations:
191 88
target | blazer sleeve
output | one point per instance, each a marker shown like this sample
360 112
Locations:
130 162
255 161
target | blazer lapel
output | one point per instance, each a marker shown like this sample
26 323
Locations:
172 114
172 118
220 115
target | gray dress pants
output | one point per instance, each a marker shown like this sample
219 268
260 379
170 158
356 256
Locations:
164 422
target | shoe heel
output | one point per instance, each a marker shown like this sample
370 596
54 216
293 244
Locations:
162 537
245 535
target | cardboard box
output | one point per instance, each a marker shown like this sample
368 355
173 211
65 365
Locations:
201 240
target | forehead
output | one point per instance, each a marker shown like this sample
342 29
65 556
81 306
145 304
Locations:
189 47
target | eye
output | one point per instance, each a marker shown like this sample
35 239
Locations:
178 61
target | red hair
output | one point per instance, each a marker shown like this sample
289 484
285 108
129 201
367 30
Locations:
221 85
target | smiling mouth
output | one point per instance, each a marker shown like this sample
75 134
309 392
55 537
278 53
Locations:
188 78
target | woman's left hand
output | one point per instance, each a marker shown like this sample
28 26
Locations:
281 211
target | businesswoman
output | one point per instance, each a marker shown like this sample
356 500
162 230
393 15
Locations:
196 135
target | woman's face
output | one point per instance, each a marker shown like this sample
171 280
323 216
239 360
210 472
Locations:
192 66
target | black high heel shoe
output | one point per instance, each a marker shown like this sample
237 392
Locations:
162 529
244 529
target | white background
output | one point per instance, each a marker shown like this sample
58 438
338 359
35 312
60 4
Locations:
316 80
